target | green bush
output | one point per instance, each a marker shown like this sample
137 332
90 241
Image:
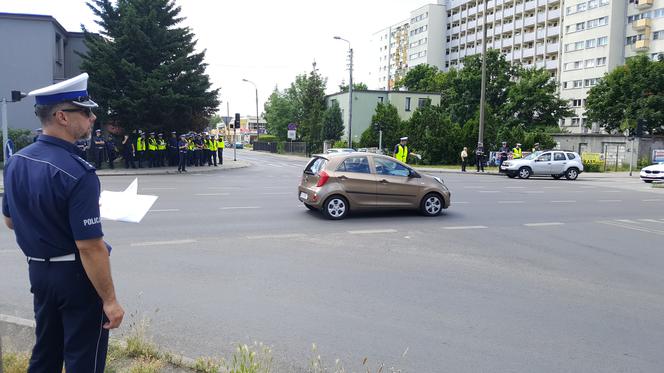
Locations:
268 138
643 162
593 167
340 144
20 137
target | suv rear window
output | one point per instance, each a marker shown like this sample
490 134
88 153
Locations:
315 165
570 155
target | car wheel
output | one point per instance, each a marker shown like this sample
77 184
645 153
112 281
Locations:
571 173
511 176
524 172
647 181
556 176
431 205
310 207
335 208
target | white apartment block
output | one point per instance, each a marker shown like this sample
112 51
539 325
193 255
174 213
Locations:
577 41
411 42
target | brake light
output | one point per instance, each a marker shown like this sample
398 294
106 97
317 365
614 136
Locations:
322 179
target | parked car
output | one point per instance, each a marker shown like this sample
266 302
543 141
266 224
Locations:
554 163
340 150
338 183
238 145
652 172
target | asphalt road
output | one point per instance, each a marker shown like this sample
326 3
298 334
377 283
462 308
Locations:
531 275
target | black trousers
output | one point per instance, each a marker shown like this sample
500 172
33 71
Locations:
99 157
69 318
463 164
220 152
182 164
141 158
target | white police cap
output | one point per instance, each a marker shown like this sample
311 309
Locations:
74 90
404 138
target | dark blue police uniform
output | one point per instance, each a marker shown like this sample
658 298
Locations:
50 177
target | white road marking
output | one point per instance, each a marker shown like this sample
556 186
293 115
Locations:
211 194
626 221
474 186
550 187
159 188
460 202
515 187
511 201
651 220
224 187
277 236
588 187
534 191
466 227
17 321
611 191
610 200
160 243
165 210
373 231
652 200
543 224
239 207
489 191
626 226
564 201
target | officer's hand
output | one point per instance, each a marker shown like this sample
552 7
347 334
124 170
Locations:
114 313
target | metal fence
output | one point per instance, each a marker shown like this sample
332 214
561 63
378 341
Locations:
292 147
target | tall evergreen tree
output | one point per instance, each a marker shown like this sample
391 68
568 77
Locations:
333 124
144 71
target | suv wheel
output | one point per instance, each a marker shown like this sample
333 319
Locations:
571 173
335 208
524 172
431 205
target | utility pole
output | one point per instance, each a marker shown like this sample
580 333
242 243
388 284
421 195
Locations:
480 135
350 92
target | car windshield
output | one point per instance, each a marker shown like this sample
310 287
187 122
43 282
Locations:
533 155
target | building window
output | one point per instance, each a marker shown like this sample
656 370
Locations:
590 43
407 104
604 40
422 102
601 61
380 99
590 63
592 4
577 83
58 49
576 121
591 82
576 102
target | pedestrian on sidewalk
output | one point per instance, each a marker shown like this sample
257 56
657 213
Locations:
220 150
100 149
479 154
183 147
464 158
50 187
128 152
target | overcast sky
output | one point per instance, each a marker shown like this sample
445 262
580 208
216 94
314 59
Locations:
266 41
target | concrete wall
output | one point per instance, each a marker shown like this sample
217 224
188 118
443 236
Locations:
616 149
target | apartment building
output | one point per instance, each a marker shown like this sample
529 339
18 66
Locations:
37 51
413 41
577 41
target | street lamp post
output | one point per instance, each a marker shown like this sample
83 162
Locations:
350 91
258 130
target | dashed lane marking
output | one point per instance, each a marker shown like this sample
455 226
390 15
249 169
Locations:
277 236
651 220
610 200
162 243
515 187
373 231
165 210
564 201
543 224
489 191
461 202
239 207
652 200
534 191
632 227
276 193
474 186
211 194
467 227
159 188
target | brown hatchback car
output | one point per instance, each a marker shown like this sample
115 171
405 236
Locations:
337 183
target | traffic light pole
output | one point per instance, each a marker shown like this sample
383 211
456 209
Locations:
5 132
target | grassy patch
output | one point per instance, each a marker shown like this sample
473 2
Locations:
15 362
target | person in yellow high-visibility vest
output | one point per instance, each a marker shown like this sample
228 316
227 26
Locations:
140 148
516 152
220 149
152 150
161 150
212 145
401 151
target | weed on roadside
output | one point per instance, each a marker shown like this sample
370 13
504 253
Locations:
255 358
15 362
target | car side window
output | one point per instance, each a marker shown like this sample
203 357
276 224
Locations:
389 167
571 156
355 164
546 157
315 165
559 156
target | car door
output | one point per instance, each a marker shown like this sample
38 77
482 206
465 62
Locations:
358 182
542 164
559 163
394 186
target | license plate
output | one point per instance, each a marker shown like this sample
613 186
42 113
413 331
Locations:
303 195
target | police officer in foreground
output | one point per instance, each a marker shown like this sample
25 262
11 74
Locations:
401 152
52 203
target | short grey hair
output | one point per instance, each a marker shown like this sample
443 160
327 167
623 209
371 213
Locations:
45 112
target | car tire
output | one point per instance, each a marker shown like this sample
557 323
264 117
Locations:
432 204
647 181
310 207
524 172
335 208
511 176
557 177
571 173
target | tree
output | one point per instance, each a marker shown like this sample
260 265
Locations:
630 94
433 135
421 78
356 87
143 70
279 112
333 124
387 118
309 91
532 102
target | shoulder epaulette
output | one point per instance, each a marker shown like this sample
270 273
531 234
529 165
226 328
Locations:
86 165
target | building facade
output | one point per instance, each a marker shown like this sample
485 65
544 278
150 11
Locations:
365 103
37 51
576 41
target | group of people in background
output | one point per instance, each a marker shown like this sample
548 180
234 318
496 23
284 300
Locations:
503 154
151 150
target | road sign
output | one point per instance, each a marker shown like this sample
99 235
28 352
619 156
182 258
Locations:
292 126
292 134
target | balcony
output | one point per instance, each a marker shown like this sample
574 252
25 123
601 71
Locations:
641 24
552 47
508 12
453 43
472 11
529 21
529 52
553 14
551 64
642 45
540 49
471 24
455 30
552 31
530 5
508 27
643 4
541 34
528 37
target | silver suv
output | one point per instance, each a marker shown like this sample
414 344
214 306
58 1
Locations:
555 163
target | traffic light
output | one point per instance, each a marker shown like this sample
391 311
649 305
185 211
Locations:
237 120
17 96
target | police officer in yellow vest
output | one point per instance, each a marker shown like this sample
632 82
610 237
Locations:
161 150
220 149
190 147
401 151
212 146
152 150
516 152
140 148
